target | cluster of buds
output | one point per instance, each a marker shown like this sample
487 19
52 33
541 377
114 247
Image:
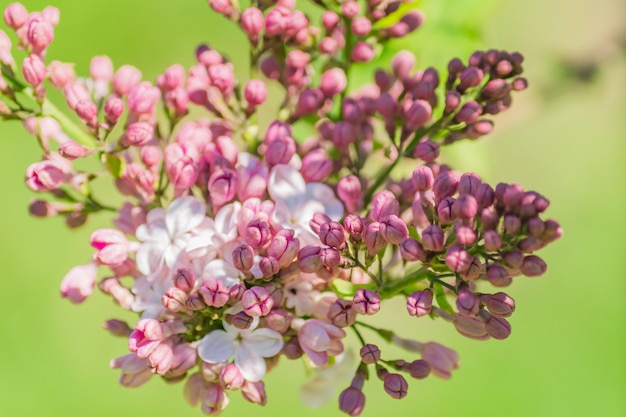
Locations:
235 246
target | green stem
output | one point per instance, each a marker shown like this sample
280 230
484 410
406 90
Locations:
391 288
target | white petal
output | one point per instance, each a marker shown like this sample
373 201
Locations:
155 214
287 185
325 195
150 257
265 342
184 214
250 363
153 232
217 346
226 221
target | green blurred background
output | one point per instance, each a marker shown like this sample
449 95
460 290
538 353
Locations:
564 137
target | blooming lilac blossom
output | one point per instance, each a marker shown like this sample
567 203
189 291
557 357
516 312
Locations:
235 243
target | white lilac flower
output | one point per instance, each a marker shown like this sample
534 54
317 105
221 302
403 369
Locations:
322 387
297 202
249 347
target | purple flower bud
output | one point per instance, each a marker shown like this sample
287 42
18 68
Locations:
533 266
469 184
512 197
493 241
316 166
243 257
284 247
222 186
366 302
467 302
427 151
258 233
497 327
423 178
512 224
195 302
278 320
446 184
402 64
354 225
373 237
453 99
351 401
471 326
490 218
553 231
419 303
465 207
384 204
344 133
393 229
255 92
469 113
257 302
412 250
317 221
333 82
269 266
330 20
362 52
117 328
444 210
498 276
138 134
174 299
465 235
519 84
271 68
309 259
458 259
332 234
418 369
310 101
418 114
240 320
330 257
349 191
470 77
369 354
252 22
214 292
235 293
499 304
433 238
484 195
395 385
341 313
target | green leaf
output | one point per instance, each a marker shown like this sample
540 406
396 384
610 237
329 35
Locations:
348 289
442 301
115 164
395 17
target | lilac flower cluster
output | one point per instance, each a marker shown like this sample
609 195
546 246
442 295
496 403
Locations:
244 244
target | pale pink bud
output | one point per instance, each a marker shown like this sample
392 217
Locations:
44 176
51 14
184 358
86 110
222 186
40 34
417 114
330 20
61 74
214 292
34 70
222 76
224 7
214 399
78 283
350 9
352 401
160 359
362 52
333 82
384 204
256 302
173 77
147 335
284 247
318 220
101 68
269 266
174 300
75 92
412 250
252 22
309 259
316 166
231 377
278 320
243 257
393 229
320 339
354 225
366 302
126 77
142 98
135 370
419 303
258 233
72 150
113 109
458 259
373 237
433 238
254 392
255 92
332 234
138 134
15 15
349 191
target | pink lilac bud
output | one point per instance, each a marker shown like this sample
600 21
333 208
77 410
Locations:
469 113
333 82
145 338
369 354
352 401
44 176
117 328
465 235
485 195
78 283
442 360
469 183
243 257
34 70
395 385
349 191
174 300
418 114
269 266
40 208
423 178
412 250
185 279
330 20
71 150
172 78
354 225
332 234
366 302
258 233
310 101
489 218
255 92
384 204
222 186
280 150
183 359
470 77
471 326
87 111
533 266
195 302
418 369
320 339
498 276
433 238
61 74
126 77
427 151
214 292
40 34
257 302
284 247
362 52
254 392
316 166
512 224
493 241
330 257
465 207
160 360
278 320
458 259
350 9
499 304
139 134
497 327
271 68
329 45
113 109
446 184
467 302
142 98
231 377
292 349
252 22
394 229
101 68
453 99
419 303
373 237
51 14
15 15
402 64
342 313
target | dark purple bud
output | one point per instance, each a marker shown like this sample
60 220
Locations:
370 354
493 241
341 313
467 302
512 224
418 369
446 184
553 231
366 302
427 151
332 234
470 77
533 266
498 276
496 89
419 303
418 114
318 220
484 195
469 113
240 320
395 385
310 101
393 229
473 271
330 257
490 218
512 197
469 184
243 257
354 225
412 250
309 259
292 349
351 401
514 259
530 244
471 326
499 304
195 302
497 327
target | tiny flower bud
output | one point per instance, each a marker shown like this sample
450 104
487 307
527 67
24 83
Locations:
231 377
174 300
395 385
139 134
497 327
284 247
351 401
330 257
433 238
243 257
412 250
241 320
467 302
498 276
493 241
71 150
419 303
369 354
394 229
366 302
15 15
471 326
341 313
309 259
117 328
269 266
34 70
362 52
255 92
214 292
423 178
349 191
257 302
332 234
185 279
533 266
258 233
333 82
